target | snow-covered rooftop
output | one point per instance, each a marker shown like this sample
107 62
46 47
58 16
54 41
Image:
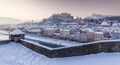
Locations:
89 29
64 29
16 32
105 23
98 32
24 56
115 24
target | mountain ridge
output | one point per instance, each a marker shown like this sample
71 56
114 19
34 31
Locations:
8 20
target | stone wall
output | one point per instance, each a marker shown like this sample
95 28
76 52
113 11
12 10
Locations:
76 50
87 49
4 42
36 48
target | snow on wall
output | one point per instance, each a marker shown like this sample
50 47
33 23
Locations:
4 42
80 50
4 32
66 43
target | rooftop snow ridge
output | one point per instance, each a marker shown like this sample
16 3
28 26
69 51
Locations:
105 23
16 32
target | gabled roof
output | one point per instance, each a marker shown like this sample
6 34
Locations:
90 30
98 32
105 23
114 24
16 32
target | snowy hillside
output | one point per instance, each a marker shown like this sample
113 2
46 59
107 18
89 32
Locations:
16 54
96 16
6 20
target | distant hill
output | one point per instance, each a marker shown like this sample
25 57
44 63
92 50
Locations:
7 20
58 19
96 16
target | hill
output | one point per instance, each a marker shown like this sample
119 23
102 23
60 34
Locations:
7 20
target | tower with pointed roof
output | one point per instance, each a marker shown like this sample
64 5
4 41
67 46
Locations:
16 35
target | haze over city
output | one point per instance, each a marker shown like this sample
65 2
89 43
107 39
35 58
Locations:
39 9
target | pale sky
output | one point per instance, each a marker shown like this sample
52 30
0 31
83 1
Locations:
39 9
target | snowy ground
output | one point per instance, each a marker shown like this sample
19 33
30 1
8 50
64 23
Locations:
16 54
4 37
3 32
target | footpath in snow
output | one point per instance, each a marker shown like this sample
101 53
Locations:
16 54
